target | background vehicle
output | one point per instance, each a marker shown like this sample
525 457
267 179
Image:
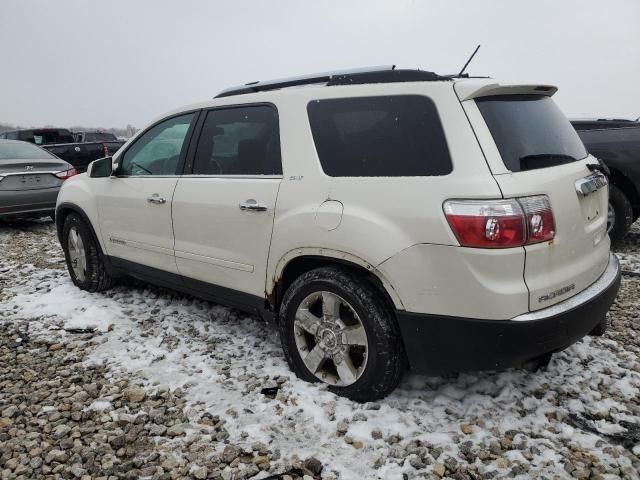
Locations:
30 178
379 216
94 136
62 143
617 144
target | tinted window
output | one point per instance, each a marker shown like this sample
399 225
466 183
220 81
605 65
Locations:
22 151
157 151
530 131
46 137
239 141
390 136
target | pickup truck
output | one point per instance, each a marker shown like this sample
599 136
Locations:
79 149
616 143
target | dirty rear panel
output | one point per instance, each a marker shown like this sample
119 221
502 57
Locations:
533 150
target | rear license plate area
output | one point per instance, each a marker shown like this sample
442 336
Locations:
27 182
590 190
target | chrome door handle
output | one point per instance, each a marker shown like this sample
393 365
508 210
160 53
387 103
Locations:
156 199
253 206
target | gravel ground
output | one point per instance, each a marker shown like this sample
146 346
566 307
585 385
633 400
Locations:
145 383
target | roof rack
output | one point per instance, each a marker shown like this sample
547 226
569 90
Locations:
359 76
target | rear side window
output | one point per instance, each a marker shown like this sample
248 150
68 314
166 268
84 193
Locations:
239 141
387 136
530 131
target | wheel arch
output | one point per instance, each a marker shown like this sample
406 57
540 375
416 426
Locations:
63 210
299 261
620 180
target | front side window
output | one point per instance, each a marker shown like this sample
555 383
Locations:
530 131
239 141
157 151
388 136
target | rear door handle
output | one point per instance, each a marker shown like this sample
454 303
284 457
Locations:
252 205
156 199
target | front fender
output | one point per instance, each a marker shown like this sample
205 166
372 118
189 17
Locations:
78 194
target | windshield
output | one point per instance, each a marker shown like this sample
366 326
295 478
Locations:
530 131
22 151
99 137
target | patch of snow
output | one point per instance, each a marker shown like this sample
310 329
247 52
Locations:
222 359
99 405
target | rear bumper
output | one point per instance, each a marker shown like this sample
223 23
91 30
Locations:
438 344
28 202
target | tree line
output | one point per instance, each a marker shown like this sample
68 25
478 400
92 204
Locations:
127 131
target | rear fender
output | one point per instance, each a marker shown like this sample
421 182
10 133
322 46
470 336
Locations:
339 257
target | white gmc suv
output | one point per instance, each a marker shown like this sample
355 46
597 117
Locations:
381 217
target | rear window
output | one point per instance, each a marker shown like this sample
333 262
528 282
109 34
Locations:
22 151
530 131
386 136
46 137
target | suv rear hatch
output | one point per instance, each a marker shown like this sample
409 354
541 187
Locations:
532 149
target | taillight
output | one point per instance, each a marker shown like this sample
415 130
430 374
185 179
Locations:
487 224
500 223
540 224
67 174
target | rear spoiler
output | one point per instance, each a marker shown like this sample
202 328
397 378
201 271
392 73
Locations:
466 90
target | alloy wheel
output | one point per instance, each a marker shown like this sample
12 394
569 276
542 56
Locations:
77 254
331 339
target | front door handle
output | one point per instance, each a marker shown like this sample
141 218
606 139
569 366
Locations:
156 199
253 206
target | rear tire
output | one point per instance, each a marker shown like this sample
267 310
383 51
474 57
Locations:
620 216
84 261
363 367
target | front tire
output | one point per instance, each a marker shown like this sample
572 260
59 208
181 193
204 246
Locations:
620 215
84 260
335 328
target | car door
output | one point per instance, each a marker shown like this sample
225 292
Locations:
223 211
135 206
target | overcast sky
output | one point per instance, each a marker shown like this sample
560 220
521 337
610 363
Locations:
110 63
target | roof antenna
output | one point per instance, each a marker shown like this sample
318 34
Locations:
469 61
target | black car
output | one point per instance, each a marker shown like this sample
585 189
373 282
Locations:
617 144
78 149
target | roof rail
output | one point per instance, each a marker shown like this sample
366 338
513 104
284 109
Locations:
381 74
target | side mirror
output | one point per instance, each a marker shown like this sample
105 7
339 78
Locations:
101 168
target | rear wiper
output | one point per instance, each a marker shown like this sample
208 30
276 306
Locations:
542 160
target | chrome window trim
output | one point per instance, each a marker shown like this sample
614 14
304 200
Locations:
145 176
609 276
266 177
240 177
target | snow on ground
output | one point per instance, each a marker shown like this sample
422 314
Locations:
570 419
